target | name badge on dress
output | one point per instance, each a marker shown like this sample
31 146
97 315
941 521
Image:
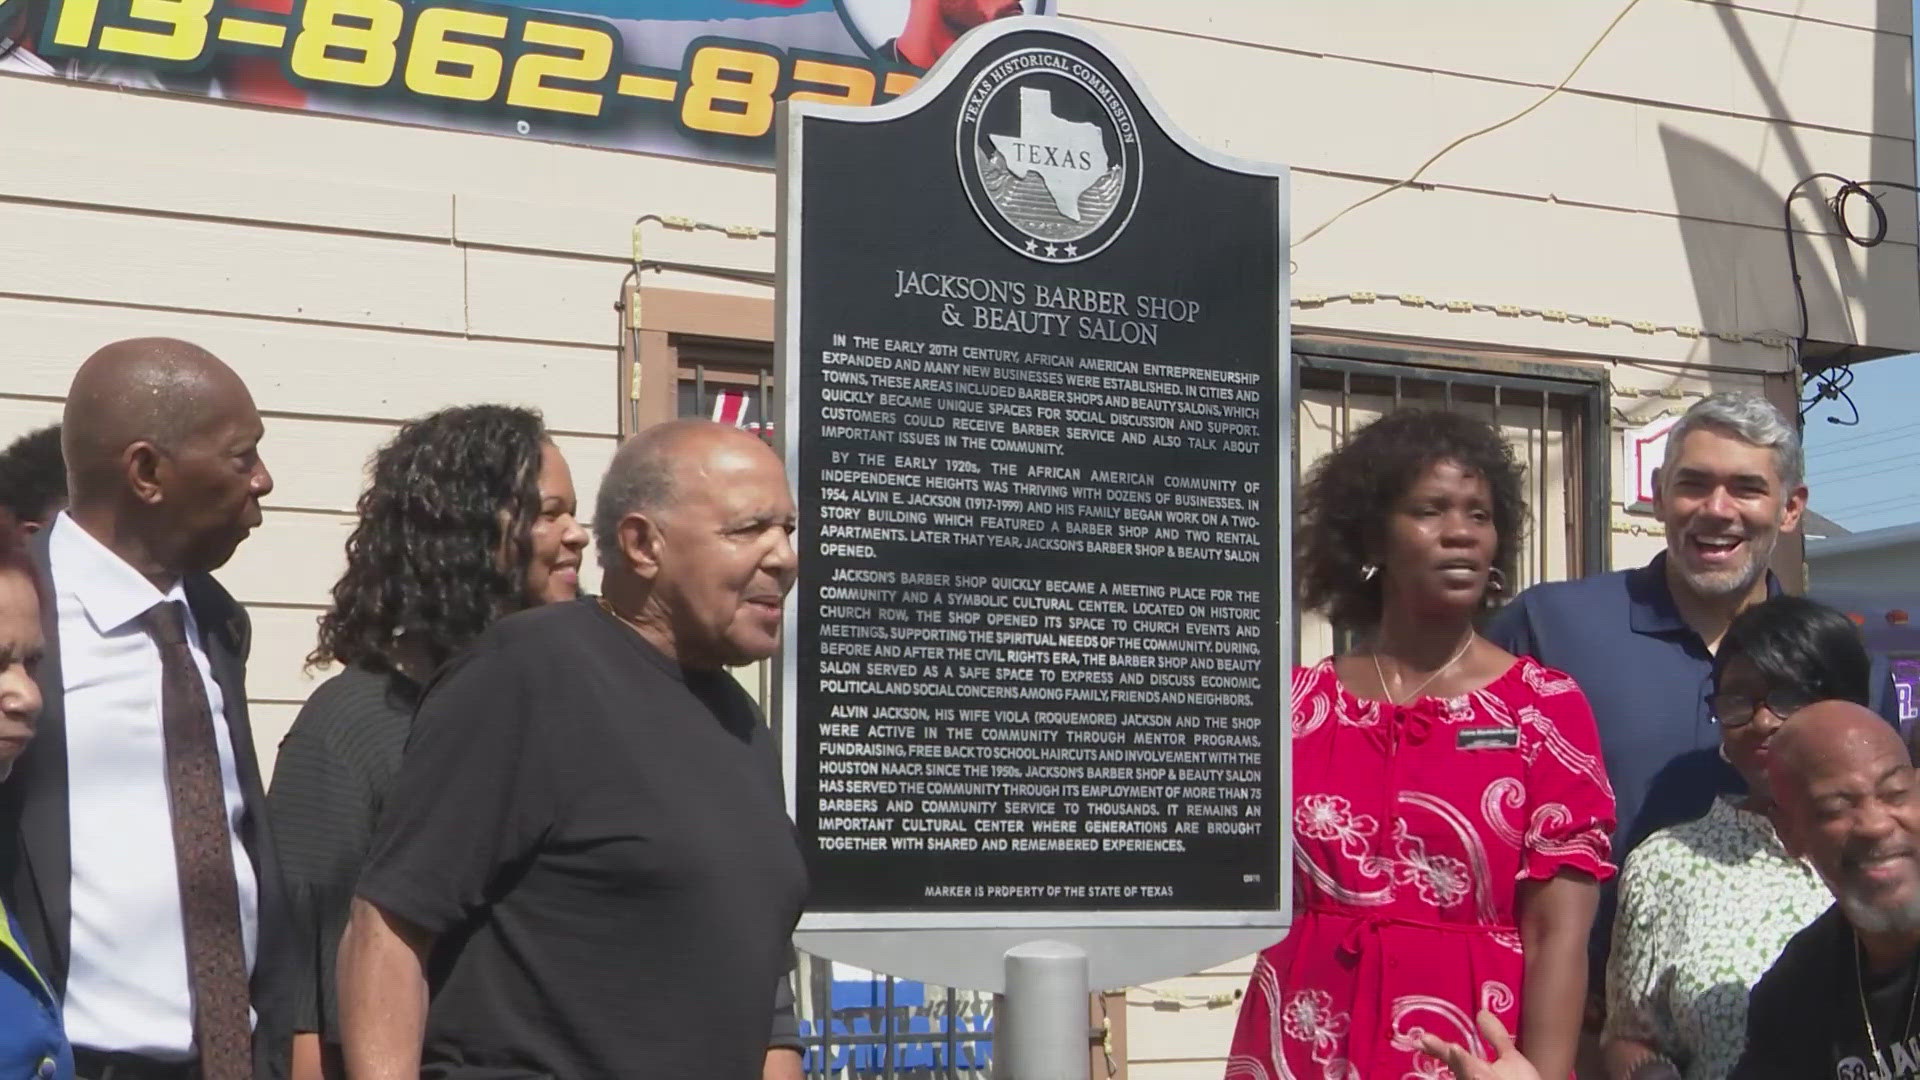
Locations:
1488 738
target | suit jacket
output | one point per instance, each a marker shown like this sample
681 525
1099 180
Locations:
37 870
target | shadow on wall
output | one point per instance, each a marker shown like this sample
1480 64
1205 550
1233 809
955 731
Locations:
1740 273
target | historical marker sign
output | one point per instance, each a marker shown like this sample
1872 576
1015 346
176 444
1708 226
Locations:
1036 667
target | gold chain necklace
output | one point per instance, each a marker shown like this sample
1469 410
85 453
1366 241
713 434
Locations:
1866 1018
607 606
1381 674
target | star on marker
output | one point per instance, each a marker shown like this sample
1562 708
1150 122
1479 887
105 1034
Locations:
1073 249
1053 252
1033 246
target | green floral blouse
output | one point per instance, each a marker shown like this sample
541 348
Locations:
1705 908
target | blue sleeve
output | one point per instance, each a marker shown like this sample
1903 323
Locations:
1881 696
1512 629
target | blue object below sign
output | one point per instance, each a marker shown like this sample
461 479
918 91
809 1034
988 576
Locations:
921 1035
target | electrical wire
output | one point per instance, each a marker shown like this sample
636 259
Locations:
1851 470
631 322
1471 135
725 273
1852 442
1830 381
1886 504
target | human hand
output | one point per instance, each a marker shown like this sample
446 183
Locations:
1506 1065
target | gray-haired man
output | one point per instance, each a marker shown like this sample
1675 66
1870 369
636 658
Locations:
1640 642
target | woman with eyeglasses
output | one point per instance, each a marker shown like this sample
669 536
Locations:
1705 907
32 1039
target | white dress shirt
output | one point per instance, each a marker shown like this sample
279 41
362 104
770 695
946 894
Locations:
127 984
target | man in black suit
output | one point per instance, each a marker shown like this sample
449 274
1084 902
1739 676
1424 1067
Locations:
143 874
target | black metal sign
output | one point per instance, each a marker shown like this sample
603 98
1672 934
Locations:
1037 420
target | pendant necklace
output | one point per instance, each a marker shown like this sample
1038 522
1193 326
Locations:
607 606
1381 674
1866 1018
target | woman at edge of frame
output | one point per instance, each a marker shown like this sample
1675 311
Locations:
33 1038
1451 812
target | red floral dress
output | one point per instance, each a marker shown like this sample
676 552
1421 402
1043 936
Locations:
1412 826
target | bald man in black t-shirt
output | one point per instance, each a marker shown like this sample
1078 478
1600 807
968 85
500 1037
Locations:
587 869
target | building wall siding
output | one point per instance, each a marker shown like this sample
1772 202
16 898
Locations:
357 273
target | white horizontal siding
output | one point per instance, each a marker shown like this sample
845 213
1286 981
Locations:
357 273
359 372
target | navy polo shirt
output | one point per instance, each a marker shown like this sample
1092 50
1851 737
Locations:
1647 675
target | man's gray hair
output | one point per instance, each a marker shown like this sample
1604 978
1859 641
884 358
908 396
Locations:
1750 418
639 479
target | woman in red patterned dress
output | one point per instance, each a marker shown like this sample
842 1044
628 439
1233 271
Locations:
1451 811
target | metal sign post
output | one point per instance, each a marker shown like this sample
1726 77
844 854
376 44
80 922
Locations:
1034 687
1045 1036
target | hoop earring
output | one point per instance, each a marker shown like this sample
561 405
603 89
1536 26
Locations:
1369 572
1496 580
1723 754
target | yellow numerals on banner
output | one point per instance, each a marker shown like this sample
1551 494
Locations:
443 60
73 22
183 40
461 54
329 50
590 60
856 85
186 36
448 68
750 98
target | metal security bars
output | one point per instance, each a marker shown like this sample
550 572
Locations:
729 390
855 1025
1554 416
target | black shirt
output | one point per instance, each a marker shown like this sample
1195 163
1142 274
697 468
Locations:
1804 1017
331 776
597 839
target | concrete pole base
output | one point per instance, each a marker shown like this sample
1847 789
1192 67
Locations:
1042 1032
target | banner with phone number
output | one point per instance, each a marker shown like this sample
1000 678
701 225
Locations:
687 78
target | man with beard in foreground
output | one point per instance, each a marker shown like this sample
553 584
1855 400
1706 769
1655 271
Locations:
1840 1000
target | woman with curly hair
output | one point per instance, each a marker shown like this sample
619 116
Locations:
469 517
1450 808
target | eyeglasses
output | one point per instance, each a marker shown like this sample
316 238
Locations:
1737 710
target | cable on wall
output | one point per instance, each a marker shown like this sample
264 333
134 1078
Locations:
628 304
641 263
1471 135
1768 338
1302 301
1830 381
